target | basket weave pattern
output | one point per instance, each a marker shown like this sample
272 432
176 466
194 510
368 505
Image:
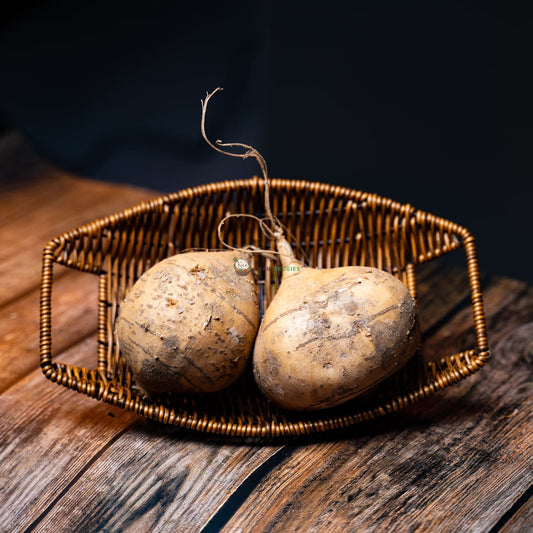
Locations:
328 226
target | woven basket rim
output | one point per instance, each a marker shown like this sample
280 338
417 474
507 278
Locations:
255 181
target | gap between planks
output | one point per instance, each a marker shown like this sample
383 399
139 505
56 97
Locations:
512 516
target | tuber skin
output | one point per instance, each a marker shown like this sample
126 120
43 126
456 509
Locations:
330 335
188 324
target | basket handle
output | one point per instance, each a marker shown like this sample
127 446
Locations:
476 297
45 310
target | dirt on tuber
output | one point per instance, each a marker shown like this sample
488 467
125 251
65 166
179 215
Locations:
188 324
330 335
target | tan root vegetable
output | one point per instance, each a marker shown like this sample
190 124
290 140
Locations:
328 335
188 324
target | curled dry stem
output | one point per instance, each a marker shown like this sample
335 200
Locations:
250 151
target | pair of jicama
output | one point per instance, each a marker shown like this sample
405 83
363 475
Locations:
191 323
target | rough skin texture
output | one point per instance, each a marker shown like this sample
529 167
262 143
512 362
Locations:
189 323
330 335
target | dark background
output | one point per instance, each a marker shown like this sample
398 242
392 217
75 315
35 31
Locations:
428 103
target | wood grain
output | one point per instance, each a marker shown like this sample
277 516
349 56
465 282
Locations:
74 464
442 290
154 479
52 204
519 522
74 318
452 464
48 435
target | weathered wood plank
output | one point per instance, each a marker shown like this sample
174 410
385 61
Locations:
155 480
519 522
453 464
457 333
69 462
53 204
441 290
48 435
74 305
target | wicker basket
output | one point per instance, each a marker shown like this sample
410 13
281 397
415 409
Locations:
329 226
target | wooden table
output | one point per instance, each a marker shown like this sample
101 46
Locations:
459 462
